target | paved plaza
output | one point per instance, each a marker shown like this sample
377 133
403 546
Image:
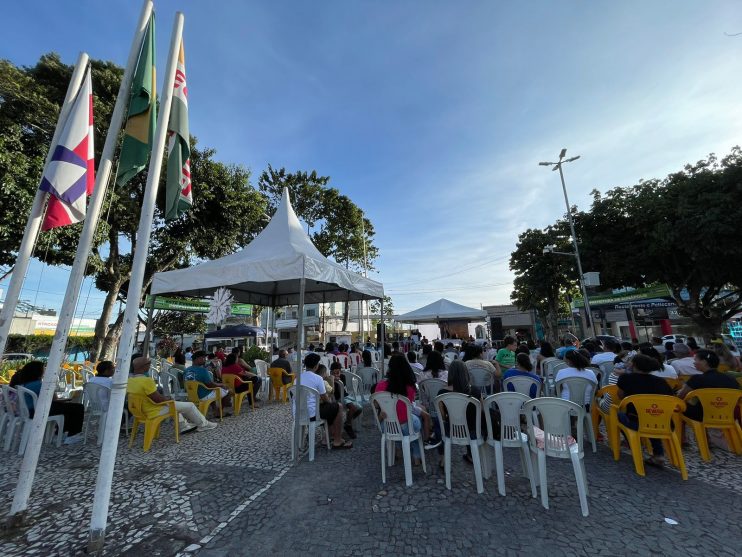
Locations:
233 491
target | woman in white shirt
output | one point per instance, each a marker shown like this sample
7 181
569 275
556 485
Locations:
666 371
578 367
435 367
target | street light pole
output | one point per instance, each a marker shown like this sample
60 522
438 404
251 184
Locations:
558 166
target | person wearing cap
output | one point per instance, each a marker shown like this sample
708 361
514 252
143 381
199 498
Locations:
683 362
197 372
140 384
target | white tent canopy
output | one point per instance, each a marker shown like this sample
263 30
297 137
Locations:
268 271
442 310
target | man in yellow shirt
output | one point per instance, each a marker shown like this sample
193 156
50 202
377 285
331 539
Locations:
140 384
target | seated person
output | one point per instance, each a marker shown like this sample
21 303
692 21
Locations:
248 371
104 376
29 376
523 368
642 382
213 365
706 362
231 367
435 367
283 362
684 363
414 364
577 368
329 410
140 384
197 372
352 408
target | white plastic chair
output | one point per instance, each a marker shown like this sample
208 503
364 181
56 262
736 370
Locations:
375 356
87 375
13 417
262 369
170 383
453 406
606 369
8 414
391 430
578 386
428 390
555 422
510 407
369 377
483 379
355 360
550 371
304 419
522 385
96 406
25 414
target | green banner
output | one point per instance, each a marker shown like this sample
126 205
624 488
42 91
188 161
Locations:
659 291
192 304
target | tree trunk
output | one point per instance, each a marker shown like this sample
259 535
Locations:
101 326
108 351
346 311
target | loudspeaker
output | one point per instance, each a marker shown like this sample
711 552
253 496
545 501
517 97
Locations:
378 331
496 328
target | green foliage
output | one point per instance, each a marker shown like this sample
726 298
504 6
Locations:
682 231
173 323
375 306
166 347
543 281
255 353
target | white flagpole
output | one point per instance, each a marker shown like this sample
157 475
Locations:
99 519
33 225
56 354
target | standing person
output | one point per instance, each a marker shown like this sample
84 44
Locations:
197 372
505 358
140 384
29 376
707 363
642 382
329 410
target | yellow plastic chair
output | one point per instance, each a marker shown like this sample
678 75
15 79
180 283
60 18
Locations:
718 413
279 390
137 404
657 414
675 384
232 381
201 404
597 414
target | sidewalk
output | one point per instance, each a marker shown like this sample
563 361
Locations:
233 491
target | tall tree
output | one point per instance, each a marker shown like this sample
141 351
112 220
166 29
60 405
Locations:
178 323
543 281
227 212
682 231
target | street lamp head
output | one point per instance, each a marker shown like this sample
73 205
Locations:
572 158
563 153
545 163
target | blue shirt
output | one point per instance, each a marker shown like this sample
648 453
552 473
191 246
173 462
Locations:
201 374
562 351
514 372
34 386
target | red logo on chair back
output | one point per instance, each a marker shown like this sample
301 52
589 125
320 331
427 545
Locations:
654 410
719 402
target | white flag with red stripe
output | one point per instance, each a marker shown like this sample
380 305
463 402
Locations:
70 175
178 196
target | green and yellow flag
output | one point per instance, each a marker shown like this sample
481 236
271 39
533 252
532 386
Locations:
178 197
142 117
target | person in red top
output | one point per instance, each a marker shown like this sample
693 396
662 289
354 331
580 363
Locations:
400 380
232 366
220 353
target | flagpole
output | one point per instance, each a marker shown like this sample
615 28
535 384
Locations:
35 218
98 522
56 353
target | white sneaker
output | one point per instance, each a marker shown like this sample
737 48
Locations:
73 439
207 426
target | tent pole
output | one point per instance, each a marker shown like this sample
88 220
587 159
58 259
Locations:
148 329
382 336
300 365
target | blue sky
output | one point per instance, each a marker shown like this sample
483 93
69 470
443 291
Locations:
432 115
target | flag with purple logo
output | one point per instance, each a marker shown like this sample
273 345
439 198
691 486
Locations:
70 176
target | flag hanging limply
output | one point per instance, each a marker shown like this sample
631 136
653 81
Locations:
142 116
70 174
178 197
